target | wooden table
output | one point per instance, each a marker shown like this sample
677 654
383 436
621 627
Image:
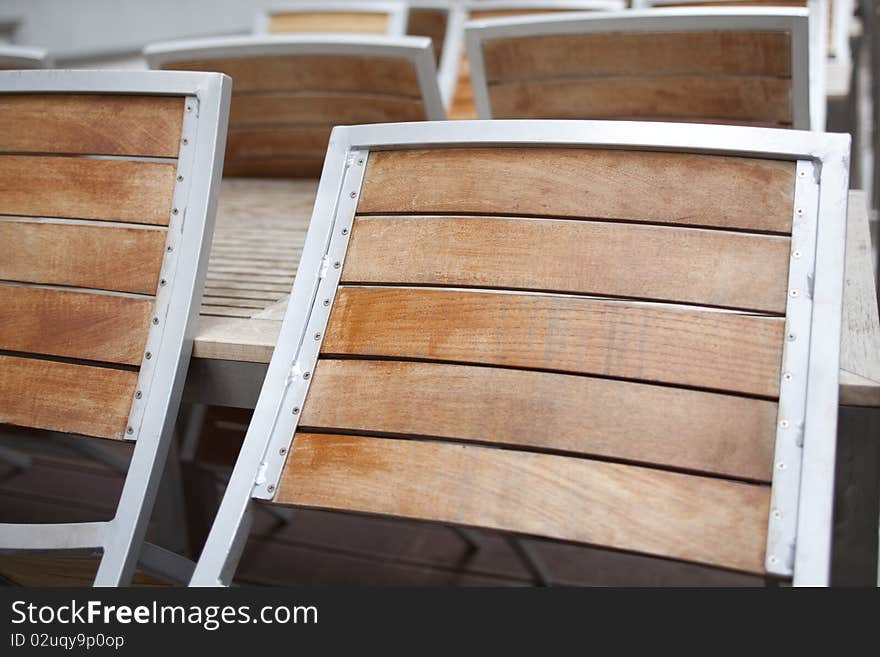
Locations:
261 227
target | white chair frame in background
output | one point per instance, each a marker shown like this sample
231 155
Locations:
807 66
416 50
397 12
20 57
800 526
453 49
154 413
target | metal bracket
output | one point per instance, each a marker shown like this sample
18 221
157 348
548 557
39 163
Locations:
312 336
180 198
782 528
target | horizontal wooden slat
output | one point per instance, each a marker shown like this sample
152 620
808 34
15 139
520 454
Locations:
684 429
355 22
301 141
686 517
323 108
712 99
93 401
722 52
430 23
98 124
704 349
105 258
275 167
681 188
312 73
650 262
99 327
83 188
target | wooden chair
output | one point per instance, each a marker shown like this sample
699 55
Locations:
564 329
289 91
735 66
19 57
101 277
455 81
372 17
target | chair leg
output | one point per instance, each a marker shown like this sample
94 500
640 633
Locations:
165 564
533 563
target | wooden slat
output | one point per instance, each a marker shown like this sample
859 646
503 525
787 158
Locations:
98 327
82 188
323 108
712 99
704 349
99 124
301 141
93 401
719 52
77 255
681 188
698 266
430 23
312 73
275 167
683 429
686 517
354 22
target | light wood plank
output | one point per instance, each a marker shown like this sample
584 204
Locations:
686 517
376 75
105 258
234 338
705 267
683 429
353 22
81 188
718 52
98 327
98 124
93 401
705 349
323 108
713 99
697 190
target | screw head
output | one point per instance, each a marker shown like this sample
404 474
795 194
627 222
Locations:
148 355
783 424
800 212
326 302
138 394
345 231
170 248
130 430
796 254
791 337
185 141
337 265
777 514
360 160
780 466
282 451
189 108
270 487
787 376
155 320
162 282
317 336
296 410
353 194
307 376
794 294
179 178
175 211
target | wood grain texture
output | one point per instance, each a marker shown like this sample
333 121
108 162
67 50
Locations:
683 429
705 267
686 517
713 99
301 142
430 23
323 108
312 73
679 188
275 167
704 349
93 401
81 188
98 124
703 53
351 22
77 255
97 327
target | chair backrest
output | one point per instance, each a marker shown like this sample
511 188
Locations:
835 17
372 17
736 66
433 19
570 330
458 89
288 92
19 57
100 280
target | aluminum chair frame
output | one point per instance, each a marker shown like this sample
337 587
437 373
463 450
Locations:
841 17
800 522
397 12
454 49
416 50
169 343
808 95
24 57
